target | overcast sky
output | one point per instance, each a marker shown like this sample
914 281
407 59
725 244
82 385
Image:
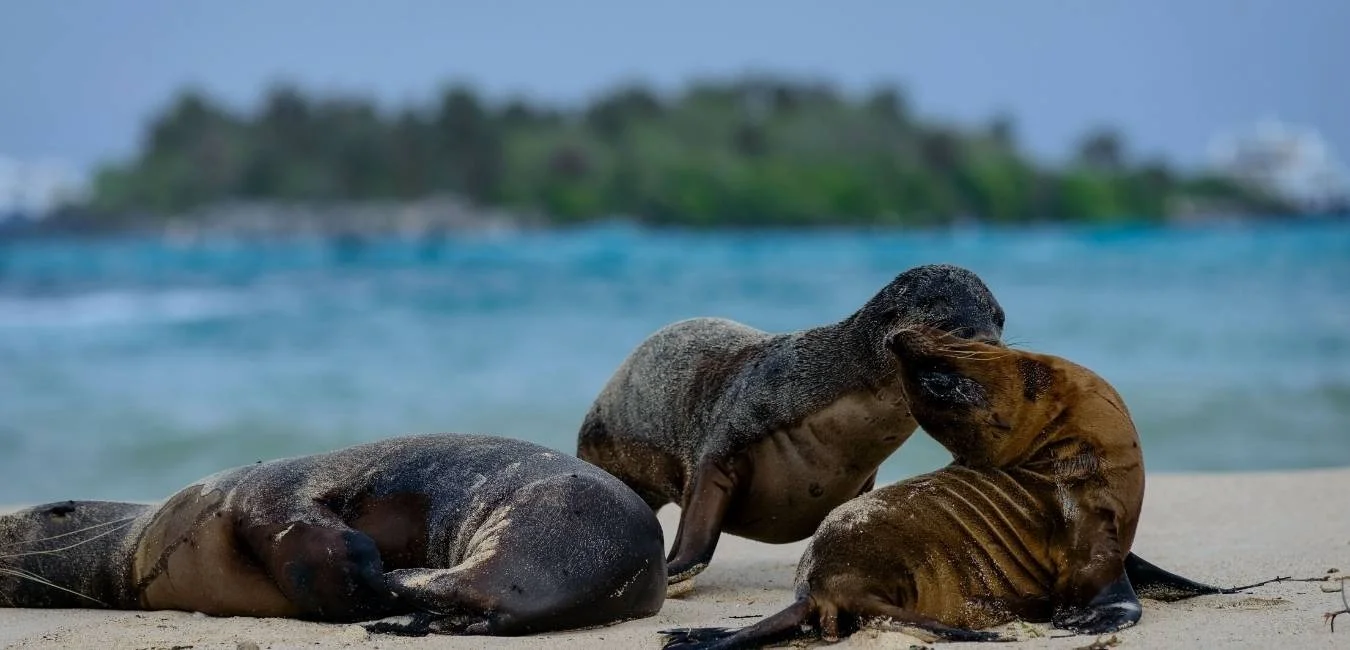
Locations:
78 78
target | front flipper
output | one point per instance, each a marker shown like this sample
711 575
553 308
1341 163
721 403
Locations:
327 570
701 517
1115 607
1093 594
446 603
424 623
1156 583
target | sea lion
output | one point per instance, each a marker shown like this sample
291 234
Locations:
760 435
1033 519
441 533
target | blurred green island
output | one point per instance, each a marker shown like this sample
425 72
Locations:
752 151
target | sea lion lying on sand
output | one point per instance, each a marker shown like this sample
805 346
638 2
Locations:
458 533
760 435
1033 519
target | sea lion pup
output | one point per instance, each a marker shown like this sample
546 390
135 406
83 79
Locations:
455 534
1033 519
760 435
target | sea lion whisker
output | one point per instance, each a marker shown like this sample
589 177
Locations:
977 356
962 347
29 575
973 355
957 348
67 548
68 534
25 575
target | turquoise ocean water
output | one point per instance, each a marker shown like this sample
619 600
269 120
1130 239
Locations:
129 368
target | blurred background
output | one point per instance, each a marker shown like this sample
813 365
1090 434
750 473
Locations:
237 231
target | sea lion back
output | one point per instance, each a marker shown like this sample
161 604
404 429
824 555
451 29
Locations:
638 429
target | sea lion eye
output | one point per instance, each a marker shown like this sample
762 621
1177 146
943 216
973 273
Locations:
950 387
937 383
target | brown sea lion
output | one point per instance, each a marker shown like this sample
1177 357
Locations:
1033 519
760 435
443 533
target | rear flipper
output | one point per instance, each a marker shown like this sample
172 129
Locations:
783 626
1155 583
887 616
797 618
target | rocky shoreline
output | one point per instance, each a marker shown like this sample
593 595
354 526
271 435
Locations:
427 218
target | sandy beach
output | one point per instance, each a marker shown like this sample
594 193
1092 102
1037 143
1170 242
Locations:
1220 528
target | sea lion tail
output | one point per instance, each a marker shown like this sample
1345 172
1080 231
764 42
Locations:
784 625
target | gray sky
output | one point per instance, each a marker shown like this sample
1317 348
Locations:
78 78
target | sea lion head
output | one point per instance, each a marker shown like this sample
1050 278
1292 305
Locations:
24 535
994 406
942 296
64 554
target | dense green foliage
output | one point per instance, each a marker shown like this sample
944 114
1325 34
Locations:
753 151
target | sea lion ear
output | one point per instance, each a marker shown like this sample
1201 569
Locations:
895 341
1037 378
892 342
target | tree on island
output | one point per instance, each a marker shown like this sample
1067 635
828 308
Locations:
755 151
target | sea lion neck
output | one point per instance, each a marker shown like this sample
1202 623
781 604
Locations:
1085 429
853 344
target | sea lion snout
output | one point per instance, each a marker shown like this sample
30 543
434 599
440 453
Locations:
972 322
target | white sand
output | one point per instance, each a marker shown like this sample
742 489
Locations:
1222 528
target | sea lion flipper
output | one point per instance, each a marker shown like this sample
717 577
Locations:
700 522
1115 607
414 624
885 615
450 601
783 626
1156 583
1095 572
330 571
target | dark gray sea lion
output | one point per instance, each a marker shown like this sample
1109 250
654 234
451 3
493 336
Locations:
443 533
1033 520
760 435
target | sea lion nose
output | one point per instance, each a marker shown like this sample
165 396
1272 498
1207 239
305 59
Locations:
974 325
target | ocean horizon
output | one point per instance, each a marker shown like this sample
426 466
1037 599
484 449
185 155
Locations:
130 367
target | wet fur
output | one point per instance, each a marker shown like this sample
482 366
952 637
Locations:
1033 520
474 534
790 425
